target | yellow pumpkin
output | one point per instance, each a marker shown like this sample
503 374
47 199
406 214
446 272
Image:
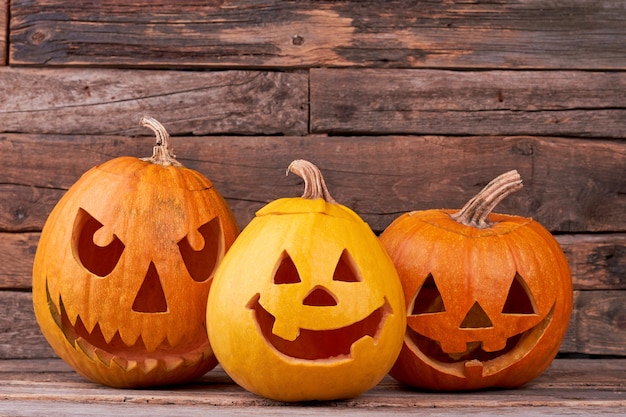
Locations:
306 304
489 296
123 269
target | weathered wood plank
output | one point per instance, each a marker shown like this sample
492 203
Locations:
596 327
112 101
586 34
571 387
17 253
560 103
566 188
19 333
4 30
41 408
597 262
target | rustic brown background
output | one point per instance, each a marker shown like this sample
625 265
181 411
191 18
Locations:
404 105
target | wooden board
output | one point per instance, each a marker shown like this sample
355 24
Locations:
566 189
597 261
596 326
561 103
567 387
596 315
588 34
112 101
17 253
20 336
4 30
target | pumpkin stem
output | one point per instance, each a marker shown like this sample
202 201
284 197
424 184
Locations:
477 210
161 153
314 184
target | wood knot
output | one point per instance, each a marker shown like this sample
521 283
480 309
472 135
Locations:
38 37
297 40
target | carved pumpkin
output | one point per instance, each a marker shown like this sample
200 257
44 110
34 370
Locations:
306 304
123 269
489 296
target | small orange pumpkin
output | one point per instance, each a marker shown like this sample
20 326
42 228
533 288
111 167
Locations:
306 304
489 296
123 269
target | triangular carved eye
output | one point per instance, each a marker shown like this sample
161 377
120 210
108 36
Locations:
201 264
286 272
519 299
427 299
346 269
99 260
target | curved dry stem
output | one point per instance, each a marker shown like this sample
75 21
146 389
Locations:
314 184
161 153
477 210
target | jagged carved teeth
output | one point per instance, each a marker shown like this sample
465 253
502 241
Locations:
96 347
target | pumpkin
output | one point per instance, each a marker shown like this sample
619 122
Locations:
306 305
123 269
489 296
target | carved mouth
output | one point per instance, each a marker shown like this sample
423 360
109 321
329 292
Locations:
320 344
115 352
475 356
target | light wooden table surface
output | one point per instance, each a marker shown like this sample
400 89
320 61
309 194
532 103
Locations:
588 387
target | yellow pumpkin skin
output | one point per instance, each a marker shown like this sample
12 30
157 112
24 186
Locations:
332 362
132 317
465 265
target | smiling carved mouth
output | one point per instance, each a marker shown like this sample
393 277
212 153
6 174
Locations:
475 355
320 344
94 345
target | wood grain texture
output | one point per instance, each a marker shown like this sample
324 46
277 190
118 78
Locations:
598 322
20 336
561 103
566 189
4 30
112 101
597 326
586 34
17 253
568 387
597 261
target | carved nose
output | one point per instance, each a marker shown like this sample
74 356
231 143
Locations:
476 318
320 297
150 297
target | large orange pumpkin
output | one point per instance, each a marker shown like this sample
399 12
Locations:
123 269
489 296
306 304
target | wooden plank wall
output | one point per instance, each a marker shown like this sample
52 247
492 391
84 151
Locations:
405 105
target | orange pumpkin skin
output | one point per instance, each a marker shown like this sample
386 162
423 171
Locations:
123 269
514 270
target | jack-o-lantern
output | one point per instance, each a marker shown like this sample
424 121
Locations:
489 296
306 305
123 270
